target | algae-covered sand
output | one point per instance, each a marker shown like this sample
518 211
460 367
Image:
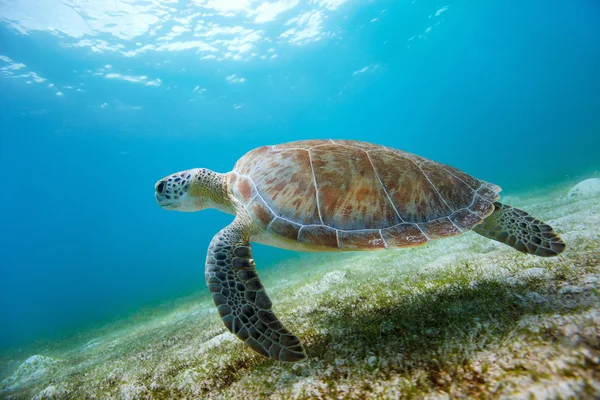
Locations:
461 317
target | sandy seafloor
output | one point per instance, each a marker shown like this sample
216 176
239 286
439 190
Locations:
460 317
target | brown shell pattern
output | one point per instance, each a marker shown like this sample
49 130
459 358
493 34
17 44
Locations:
345 194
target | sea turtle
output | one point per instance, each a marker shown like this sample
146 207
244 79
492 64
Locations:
333 195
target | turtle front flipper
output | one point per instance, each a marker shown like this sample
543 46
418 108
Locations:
520 230
241 299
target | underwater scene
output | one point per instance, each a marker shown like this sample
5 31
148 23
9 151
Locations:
285 199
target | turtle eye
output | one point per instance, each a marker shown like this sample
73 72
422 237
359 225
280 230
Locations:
160 187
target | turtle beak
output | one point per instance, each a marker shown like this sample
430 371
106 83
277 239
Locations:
161 200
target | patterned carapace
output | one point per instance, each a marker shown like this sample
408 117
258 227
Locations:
344 194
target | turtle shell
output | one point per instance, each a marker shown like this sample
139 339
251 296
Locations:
349 195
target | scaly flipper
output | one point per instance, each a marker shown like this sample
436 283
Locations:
520 230
243 303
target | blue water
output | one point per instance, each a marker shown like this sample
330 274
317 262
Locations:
507 91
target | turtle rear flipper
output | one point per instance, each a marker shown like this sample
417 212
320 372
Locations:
520 230
243 303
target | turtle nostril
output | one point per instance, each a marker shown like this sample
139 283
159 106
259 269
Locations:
160 187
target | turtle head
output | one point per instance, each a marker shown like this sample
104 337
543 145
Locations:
192 190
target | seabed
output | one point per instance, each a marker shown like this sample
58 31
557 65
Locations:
460 317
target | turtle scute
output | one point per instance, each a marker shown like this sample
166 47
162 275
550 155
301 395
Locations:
342 194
